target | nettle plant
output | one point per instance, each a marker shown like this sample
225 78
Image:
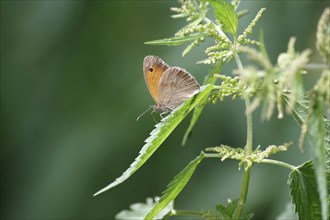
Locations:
271 87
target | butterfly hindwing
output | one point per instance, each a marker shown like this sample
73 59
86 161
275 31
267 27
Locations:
175 86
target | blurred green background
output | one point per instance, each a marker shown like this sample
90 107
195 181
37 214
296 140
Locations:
72 87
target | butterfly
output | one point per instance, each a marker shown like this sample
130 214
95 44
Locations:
168 86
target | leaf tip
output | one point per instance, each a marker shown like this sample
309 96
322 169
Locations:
100 191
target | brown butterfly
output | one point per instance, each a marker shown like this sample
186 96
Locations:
168 86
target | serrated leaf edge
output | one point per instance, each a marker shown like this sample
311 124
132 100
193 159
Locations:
158 135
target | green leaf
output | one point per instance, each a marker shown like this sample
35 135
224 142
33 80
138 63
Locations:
225 13
210 79
303 191
228 211
140 210
175 41
225 212
317 134
175 187
197 112
159 135
300 111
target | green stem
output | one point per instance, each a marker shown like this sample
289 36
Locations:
238 61
212 155
269 161
217 27
242 199
247 171
279 163
249 134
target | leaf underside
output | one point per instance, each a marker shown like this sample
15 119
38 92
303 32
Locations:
304 192
159 135
175 187
319 134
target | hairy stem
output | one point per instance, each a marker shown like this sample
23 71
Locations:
247 171
248 150
238 61
249 135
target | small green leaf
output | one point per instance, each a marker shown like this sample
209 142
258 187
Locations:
175 187
304 193
175 41
140 210
227 211
225 13
159 135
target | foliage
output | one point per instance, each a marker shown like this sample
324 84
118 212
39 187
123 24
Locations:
140 210
302 183
175 187
270 86
158 135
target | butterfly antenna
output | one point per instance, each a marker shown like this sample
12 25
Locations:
137 119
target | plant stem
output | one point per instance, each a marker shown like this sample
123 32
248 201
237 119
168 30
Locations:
280 163
217 27
247 171
238 61
249 134
212 155
241 202
269 161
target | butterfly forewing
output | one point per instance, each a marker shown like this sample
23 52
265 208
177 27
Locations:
176 85
153 68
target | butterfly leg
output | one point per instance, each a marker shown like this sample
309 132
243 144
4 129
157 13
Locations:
152 115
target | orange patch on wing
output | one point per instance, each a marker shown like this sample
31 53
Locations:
154 67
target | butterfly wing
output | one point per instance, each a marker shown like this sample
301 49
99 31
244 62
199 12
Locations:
153 68
176 85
